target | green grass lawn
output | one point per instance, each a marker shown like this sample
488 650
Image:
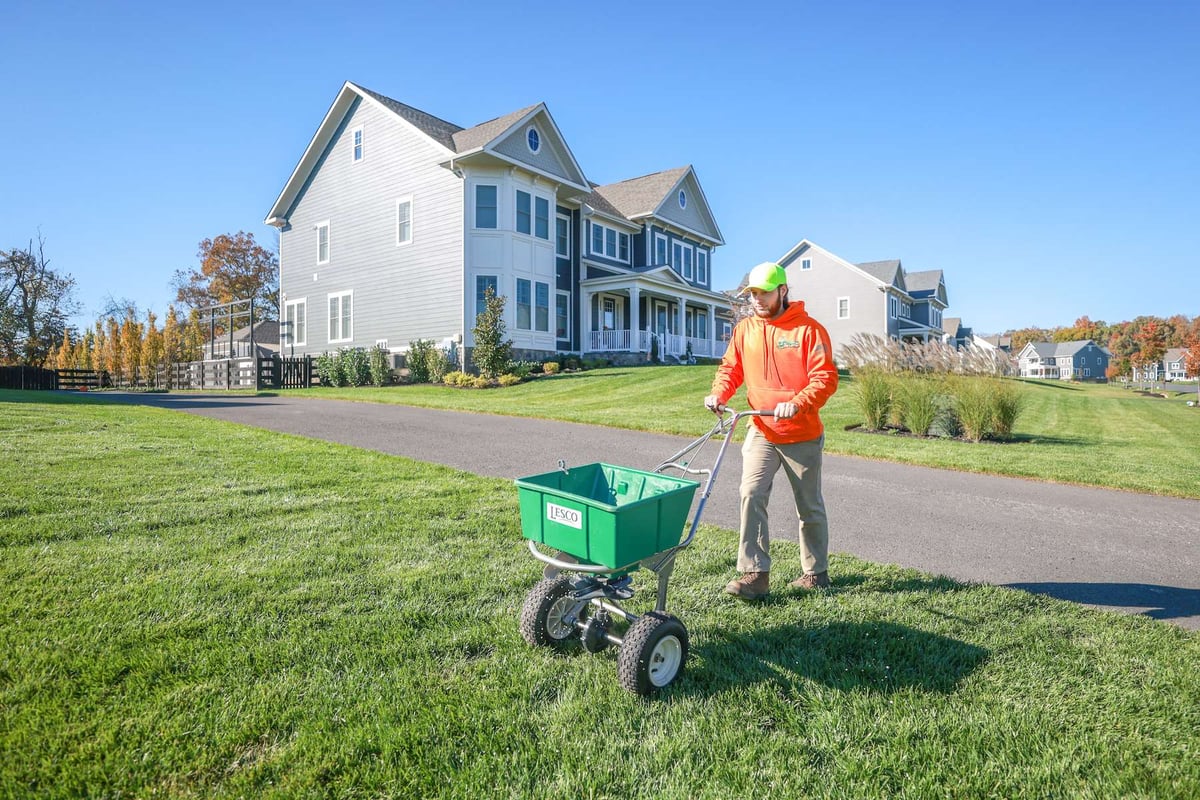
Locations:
197 609
1088 434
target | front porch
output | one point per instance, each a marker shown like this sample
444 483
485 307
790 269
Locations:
627 313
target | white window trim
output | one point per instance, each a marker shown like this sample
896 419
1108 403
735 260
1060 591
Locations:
408 198
303 301
533 128
475 207
838 308
550 215
805 264
702 279
666 248
566 218
567 297
682 199
328 242
550 308
475 293
361 147
341 297
617 234
517 304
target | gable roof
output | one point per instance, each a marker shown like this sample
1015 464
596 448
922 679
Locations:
804 245
950 326
888 272
925 282
645 196
1174 354
451 138
1061 349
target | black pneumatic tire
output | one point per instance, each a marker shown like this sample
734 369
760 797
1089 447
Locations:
541 616
653 653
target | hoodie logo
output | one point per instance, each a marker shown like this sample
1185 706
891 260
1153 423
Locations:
784 344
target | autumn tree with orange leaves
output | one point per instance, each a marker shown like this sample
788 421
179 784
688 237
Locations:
232 267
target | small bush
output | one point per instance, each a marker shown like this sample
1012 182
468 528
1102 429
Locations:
874 397
437 364
917 403
572 361
329 370
523 369
355 366
508 379
380 366
595 363
1008 400
418 360
946 423
455 378
481 382
550 367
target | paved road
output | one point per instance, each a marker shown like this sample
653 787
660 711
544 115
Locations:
1116 550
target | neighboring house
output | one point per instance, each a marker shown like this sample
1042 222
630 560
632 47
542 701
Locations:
955 334
266 342
1174 366
876 297
395 223
996 342
1082 360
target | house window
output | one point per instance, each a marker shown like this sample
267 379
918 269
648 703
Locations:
541 306
562 315
687 263
623 247
533 139
404 220
726 330
485 206
682 199
323 243
681 256
843 307
610 243
358 144
702 266
597 239
295 318
660 250
524 306
893 306
524 213
340 317
805 264
541 218
482 284
562 236
695 324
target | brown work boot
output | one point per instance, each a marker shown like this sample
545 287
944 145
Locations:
811 580
751 586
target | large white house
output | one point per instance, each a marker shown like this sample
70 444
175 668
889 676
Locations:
395 223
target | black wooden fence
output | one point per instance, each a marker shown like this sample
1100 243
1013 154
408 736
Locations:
27 378
272 372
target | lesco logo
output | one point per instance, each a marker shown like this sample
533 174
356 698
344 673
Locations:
564 516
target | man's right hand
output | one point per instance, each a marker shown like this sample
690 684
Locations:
713 404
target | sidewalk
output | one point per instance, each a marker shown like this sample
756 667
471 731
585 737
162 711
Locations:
1127 552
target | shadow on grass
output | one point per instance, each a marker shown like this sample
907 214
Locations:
848 656
180 401
1158 602
1050 383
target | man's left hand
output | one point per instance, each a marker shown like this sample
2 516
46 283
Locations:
786 410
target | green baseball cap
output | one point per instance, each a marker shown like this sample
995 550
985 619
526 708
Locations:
766 277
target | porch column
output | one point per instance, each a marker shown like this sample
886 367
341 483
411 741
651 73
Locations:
585 322
635 296
681 327
711 322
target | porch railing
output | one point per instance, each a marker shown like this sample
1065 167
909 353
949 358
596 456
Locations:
608 340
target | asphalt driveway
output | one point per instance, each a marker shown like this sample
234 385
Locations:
1122 551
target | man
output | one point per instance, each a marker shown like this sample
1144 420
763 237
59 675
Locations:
785 359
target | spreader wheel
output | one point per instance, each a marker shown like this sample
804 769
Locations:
543 617
653 653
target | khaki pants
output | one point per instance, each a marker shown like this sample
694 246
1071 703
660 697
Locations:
802 463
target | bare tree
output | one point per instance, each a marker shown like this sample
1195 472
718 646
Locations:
35 304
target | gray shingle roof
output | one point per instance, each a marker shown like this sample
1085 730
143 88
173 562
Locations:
926 281
471 138
886 271
1060 349
638 197
439 130
950 325
600 203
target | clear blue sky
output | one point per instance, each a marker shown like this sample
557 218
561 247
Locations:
1044 155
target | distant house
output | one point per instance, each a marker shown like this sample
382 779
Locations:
876 297
265 342
395 223
1174 366
955 334
996 342
1081 360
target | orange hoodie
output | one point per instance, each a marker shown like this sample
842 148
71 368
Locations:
787 359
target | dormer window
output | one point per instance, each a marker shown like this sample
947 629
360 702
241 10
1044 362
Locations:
682 199
533 139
